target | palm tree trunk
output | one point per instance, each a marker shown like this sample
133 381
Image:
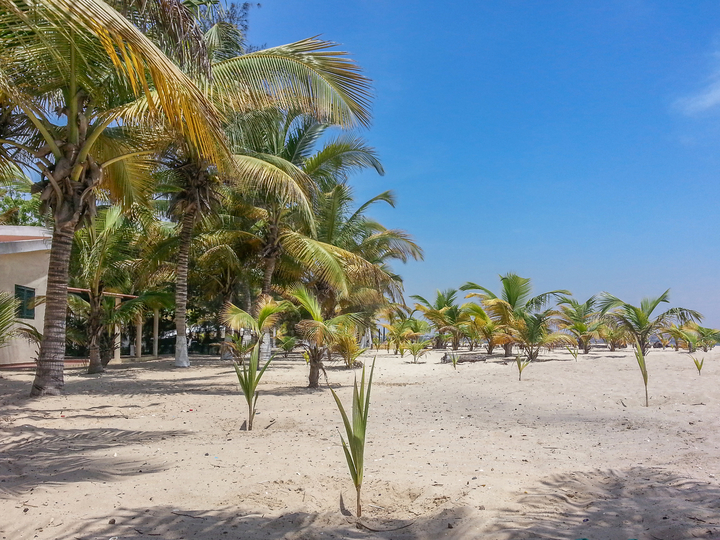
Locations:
181 352
266 346
270 263
49 379
508 349
316 365
95 329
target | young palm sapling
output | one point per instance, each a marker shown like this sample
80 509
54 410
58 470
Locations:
354 447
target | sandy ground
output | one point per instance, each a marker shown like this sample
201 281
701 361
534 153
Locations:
149 451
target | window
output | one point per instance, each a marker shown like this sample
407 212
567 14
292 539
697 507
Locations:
25 297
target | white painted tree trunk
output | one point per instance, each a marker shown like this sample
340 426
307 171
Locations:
181 352
266 347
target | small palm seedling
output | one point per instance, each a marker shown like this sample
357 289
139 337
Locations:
698 364
237 347
572 351
418 349
249 378
643 368
454 359
521 364
354 448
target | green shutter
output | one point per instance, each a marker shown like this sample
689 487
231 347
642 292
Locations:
25 297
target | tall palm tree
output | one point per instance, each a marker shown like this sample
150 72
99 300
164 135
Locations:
70 67
342 224
305 75
639 320
581 320
285 141
514 300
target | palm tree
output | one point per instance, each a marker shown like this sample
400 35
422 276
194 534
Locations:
581 320
347 346
483 328
70 67
405 330
532 331
707 337
284 221
304 75
445 315
101 253
372 246
268 317
614 334
639 322
513 301
319 333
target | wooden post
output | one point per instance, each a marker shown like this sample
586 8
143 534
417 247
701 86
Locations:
156 331
118 335
138 337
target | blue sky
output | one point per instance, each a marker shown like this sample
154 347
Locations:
576 143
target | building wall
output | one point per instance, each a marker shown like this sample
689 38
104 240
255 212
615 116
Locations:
30 270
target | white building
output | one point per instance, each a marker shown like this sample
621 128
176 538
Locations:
24 259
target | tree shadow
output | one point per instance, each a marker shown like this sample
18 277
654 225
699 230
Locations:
638 502
121 379
33 456
294 390
171 523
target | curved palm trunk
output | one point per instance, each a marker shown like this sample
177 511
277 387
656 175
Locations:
49 379
270 263
181 352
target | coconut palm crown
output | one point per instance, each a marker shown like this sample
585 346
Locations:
514 300
639 320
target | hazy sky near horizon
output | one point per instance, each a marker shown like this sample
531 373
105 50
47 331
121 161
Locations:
575 143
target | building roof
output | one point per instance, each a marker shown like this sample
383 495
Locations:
23 239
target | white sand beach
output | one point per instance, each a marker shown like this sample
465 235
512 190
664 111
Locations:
149 451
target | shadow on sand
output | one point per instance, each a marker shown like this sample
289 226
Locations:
640 502
32 456
232 523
